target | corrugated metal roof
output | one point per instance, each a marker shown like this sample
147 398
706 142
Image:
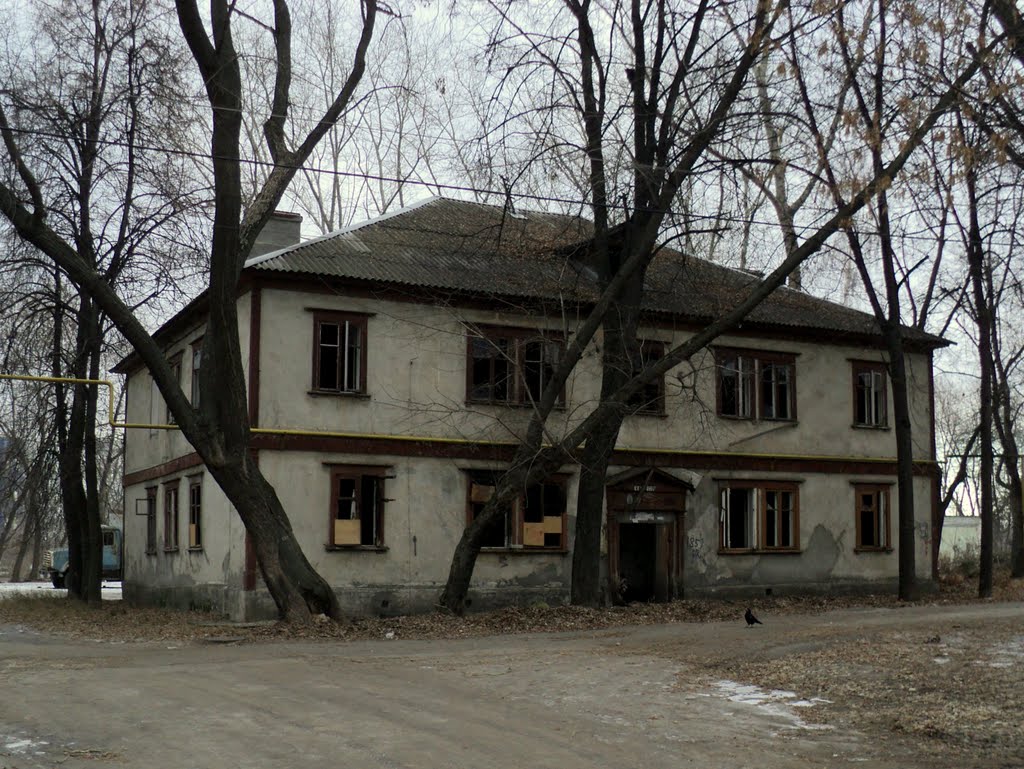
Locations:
469 247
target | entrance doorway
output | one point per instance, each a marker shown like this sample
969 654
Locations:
638 550
645 527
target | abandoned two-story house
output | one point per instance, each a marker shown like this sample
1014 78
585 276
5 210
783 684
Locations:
392 364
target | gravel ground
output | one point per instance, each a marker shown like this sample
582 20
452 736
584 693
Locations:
954 692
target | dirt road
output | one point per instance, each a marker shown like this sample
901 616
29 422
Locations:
638 697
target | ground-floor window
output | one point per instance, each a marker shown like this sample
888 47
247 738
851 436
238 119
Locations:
195 512
759 516
151 520
534 520
357 506
872 511
171 515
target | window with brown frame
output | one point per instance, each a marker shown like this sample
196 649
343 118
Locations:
151 520
510 366
651 398
872 511
762 516
870 395
754 384
175 364
197 360
535 520
339 352
171 515
195 513
357 507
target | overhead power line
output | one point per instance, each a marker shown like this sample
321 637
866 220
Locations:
504 194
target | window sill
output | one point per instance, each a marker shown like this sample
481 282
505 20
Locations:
170 550
655 414
151 552
356 548
762 551
196 549
511 404
755 420
880 428
873 549
338 394
524 550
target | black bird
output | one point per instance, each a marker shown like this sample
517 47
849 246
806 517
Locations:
751 619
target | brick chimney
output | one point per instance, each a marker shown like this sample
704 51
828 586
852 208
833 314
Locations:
281 230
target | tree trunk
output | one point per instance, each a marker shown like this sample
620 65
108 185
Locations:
618 366
19 559
297 589
983 316
908 589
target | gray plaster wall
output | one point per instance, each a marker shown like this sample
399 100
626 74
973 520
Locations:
827 560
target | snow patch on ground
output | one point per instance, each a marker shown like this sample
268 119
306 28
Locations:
775 702
111 590
22 746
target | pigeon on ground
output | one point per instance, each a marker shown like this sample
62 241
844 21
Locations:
751 619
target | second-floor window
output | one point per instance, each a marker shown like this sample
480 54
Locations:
650 399
510 365
197 360
756 385
339 352
175 364
869 395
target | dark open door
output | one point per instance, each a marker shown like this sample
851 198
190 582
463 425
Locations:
645 531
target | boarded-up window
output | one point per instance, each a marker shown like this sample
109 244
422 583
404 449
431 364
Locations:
534 520
357 507
195 513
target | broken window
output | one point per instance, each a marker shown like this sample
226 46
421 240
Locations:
339 364
869 395
357 507
650 399
171 515
151 519
197 360
175 364
534 520
759 516
195 513
510 365
872 516
755 384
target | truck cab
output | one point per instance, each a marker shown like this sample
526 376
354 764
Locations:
113 552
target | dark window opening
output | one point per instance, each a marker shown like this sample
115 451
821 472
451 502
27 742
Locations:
650 399
357 509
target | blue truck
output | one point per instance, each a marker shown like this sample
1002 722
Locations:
113 561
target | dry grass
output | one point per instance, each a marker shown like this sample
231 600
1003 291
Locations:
113 620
